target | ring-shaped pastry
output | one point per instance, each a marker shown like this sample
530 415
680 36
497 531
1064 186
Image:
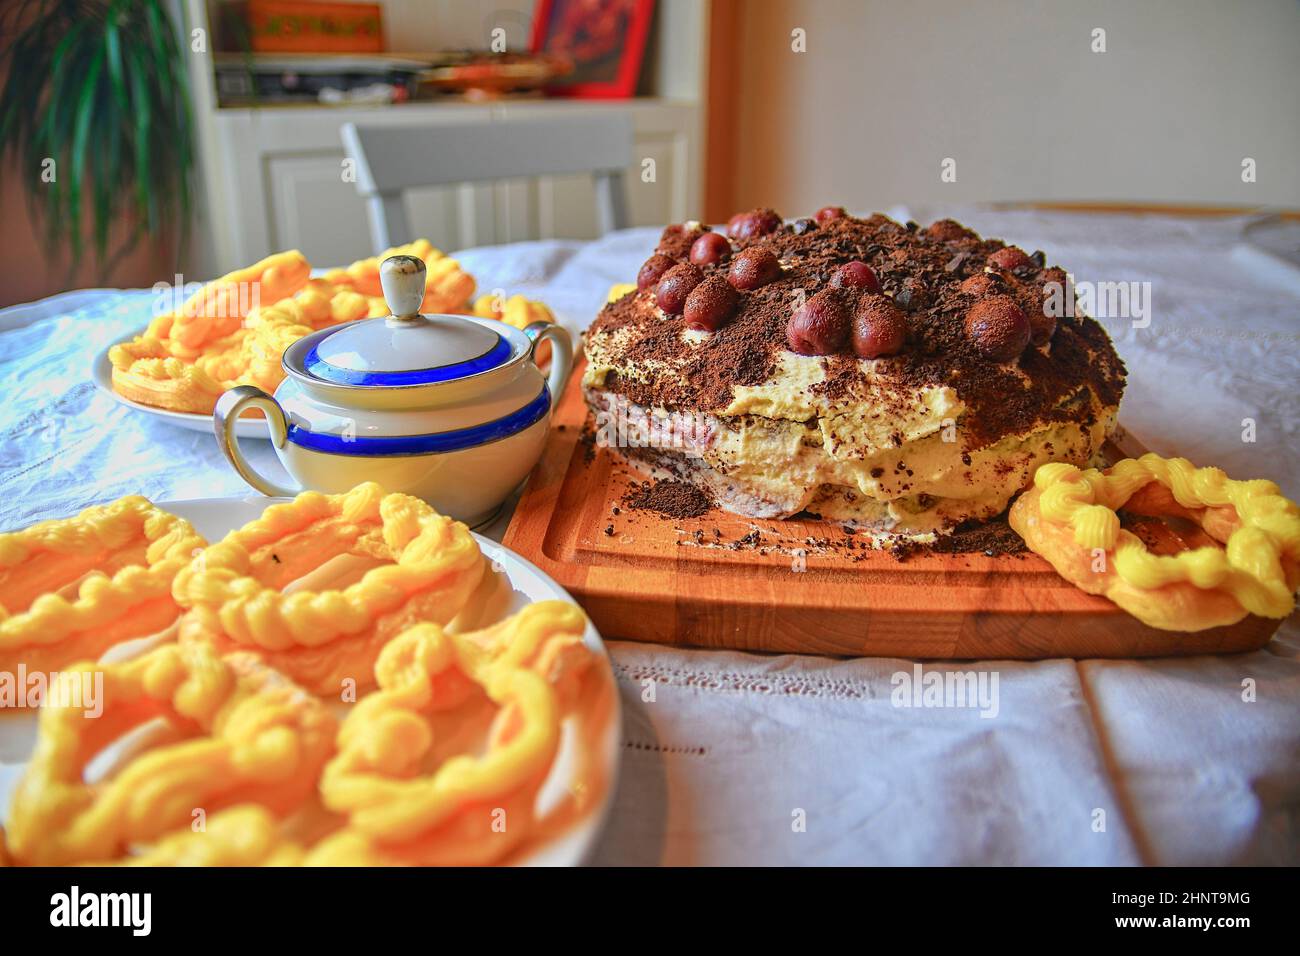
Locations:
232 732
1251 565
418 566
471 808
74 587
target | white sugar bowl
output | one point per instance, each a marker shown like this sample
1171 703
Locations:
449 408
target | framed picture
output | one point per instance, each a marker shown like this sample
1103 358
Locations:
605 41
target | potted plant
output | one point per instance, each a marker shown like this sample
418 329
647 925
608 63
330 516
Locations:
95 109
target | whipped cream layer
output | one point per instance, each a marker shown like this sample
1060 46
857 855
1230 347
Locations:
902 473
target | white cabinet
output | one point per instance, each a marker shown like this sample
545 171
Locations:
273 178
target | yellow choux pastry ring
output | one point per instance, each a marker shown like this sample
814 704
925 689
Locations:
447 288
234 732
276 586
73 587
219 307
1249 563
468 809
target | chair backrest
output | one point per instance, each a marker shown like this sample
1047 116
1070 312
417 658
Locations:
392 159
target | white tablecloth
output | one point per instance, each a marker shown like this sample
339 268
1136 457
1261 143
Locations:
735 758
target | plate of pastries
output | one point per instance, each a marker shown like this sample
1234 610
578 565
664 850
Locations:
349 679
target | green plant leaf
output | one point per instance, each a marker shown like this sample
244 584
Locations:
113 49
102 175
84 112
100 87
60 70
146 200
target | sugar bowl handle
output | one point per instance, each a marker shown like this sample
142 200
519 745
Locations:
229 407
402 278
561 353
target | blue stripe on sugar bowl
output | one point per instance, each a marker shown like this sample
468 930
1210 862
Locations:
436 443
493 358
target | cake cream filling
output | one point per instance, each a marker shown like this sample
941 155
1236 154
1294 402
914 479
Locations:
896 461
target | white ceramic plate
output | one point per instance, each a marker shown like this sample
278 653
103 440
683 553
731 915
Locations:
215 517
102 373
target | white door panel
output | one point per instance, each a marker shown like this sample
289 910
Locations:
314 210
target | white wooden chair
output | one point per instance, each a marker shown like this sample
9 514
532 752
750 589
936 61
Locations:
392 159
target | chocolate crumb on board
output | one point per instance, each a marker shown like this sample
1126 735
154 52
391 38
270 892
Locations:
992 537
902 550
672 499
587 439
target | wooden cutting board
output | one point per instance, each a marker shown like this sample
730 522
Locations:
727 581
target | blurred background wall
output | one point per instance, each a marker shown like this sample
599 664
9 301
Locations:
1012 91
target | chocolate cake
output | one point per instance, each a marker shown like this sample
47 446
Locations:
907 379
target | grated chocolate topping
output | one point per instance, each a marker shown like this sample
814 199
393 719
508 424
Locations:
923 271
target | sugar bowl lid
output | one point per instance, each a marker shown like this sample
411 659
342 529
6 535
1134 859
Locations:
406 348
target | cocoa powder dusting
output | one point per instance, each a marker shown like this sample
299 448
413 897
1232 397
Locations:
926 273
672 499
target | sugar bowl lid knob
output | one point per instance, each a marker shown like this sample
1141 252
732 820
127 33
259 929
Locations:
402 279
